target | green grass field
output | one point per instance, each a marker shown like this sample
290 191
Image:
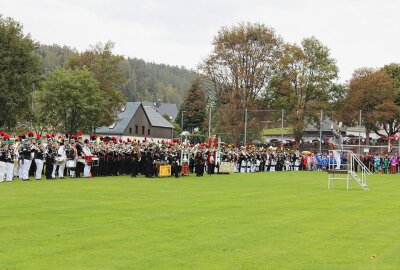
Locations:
242 221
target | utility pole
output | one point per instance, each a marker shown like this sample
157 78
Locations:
182 124
320 134
359 135
245 127
283 114
209 124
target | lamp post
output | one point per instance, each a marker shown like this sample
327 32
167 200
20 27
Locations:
182 124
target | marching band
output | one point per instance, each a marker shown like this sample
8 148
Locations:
75 157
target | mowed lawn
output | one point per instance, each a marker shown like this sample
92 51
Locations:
281 220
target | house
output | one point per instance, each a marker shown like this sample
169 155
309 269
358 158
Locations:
169 109
311 132
138 120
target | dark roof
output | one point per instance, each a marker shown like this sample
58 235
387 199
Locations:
123 120
164 108
155 118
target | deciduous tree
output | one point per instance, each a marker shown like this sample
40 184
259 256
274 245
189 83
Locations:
304 84
105 67
70 100
239 68
371 91
19 73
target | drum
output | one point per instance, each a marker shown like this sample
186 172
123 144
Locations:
89 160
81 160
60 161
95 161
71 163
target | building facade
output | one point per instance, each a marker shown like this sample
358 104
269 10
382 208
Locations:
137 120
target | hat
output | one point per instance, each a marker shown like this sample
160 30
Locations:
86 141
72 141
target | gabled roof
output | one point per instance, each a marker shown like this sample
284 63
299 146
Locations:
155 118
164 108
124 118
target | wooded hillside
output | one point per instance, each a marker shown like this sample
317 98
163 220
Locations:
145 81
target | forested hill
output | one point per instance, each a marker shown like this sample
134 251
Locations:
145 81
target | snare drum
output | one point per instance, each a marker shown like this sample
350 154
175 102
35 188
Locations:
60 161
81 160
71 163
95 161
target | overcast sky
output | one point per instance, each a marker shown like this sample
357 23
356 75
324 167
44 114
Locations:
359 33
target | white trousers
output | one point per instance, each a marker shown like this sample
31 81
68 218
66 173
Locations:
39 168
3 171
336 155
86 171
16 169
61 170
25 168
20 169
10 171
53 173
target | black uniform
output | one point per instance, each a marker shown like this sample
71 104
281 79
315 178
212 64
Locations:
50 161
79 165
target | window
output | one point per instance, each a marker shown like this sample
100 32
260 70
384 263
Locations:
136 130
148 131
130 130
112 126
142 130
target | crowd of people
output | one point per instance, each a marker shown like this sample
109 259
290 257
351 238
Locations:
62 156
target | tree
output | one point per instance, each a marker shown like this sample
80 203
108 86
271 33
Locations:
371 91
54 56
239 68
106 70
304 83
70 100
193 107
19 73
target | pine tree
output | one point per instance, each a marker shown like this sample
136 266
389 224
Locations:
193 107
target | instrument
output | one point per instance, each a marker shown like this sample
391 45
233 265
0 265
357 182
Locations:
81 160
71 163
95 161
88 160
59 160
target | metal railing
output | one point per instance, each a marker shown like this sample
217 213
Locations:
348 167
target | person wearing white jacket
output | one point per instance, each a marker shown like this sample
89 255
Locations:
61 160
3 165
87 153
